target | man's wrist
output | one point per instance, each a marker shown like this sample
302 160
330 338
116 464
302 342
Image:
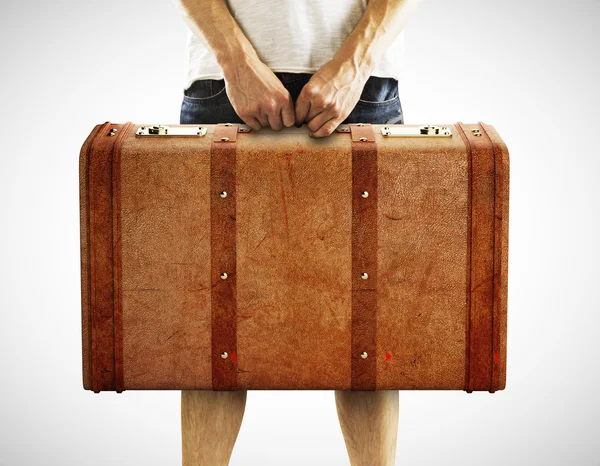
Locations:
354 62
358 54
235 56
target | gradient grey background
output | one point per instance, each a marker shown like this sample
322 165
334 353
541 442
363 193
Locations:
530 68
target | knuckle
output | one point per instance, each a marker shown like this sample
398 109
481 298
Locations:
335 113
310 90
318 101
326 101
283 97
322 103
269 106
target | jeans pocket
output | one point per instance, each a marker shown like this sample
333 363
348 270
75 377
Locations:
206 102
205 89
377 112
379 91
379 103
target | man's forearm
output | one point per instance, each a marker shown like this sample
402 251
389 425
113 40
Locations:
258 97
212 22
381 23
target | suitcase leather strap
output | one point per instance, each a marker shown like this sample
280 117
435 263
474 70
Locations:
364 257
481 335
223 257
104 180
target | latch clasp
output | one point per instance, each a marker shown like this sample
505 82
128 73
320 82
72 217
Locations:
172 130
398 131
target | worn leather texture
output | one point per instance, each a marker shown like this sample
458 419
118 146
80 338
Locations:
294 311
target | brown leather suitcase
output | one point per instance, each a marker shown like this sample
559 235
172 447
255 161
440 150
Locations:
215 257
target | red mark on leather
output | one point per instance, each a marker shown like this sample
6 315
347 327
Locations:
496 358
388 356
233 356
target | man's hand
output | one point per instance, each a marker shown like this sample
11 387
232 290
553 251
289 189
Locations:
329 96
258 96
333 91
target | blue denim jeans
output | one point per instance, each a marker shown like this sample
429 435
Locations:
206 101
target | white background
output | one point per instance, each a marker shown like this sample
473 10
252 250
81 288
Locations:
530 68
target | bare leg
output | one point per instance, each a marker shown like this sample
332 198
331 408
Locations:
369 422
210 423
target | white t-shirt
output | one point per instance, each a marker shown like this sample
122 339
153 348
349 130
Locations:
296 36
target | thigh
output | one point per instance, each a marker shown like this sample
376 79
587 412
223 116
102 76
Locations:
379 103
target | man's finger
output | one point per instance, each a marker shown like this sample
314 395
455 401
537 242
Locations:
319 120
253 123
275 120
287 113
302 108
315 110
325 130
262 119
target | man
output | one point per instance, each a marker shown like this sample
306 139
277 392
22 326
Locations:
276 63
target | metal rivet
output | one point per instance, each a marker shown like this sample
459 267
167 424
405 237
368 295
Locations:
223 276
365 194
364 275
223 194
363 139
224 354
360 124
111 134
477 134
475 130
227 124
224 139
113 129
364 355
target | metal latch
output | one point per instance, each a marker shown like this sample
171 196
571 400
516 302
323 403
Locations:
398 131
172 130
181 130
